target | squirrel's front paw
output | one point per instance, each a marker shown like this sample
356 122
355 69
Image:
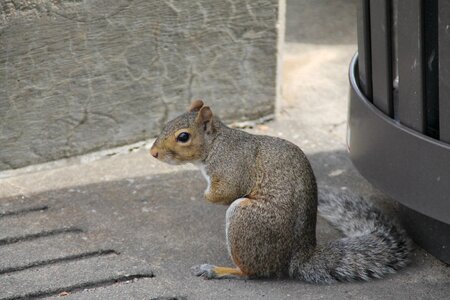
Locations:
204 270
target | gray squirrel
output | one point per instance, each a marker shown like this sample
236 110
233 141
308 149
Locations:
272 194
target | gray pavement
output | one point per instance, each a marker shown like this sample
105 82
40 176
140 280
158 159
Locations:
124 226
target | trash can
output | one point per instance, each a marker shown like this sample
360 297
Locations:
399 112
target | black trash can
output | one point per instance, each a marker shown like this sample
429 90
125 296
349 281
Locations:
399 112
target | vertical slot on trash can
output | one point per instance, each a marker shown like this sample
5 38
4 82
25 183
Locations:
431 67
444 69
394 57
364 55
411 104
380 40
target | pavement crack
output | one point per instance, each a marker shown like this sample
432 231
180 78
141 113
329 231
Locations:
53 261
170 298
33 236
82 286
23 211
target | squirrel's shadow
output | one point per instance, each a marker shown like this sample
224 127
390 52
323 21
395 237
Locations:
163 218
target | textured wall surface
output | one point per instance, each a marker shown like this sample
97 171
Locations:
79 76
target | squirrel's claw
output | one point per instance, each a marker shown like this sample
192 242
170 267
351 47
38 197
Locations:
204 270
208 271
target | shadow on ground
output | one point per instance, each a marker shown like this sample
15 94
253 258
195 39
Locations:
138 237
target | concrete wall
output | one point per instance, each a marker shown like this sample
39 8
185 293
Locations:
79 76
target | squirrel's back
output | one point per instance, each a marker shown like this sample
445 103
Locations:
277 163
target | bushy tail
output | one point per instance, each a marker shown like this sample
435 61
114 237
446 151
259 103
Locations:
373 246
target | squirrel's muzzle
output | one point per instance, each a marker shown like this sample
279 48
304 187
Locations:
154 152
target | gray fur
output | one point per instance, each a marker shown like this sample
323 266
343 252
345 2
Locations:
270 225
228 219
373 246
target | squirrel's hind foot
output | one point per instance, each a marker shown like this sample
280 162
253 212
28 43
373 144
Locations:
208 271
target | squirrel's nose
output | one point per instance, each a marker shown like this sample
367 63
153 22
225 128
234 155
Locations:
154 152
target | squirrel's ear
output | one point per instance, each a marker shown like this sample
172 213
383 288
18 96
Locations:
195 105
204 117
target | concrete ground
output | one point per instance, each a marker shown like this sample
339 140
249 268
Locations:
121 225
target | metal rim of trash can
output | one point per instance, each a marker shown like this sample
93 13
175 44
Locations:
410 167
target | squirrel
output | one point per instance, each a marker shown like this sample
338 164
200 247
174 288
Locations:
273 201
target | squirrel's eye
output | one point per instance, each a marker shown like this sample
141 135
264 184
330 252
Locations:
183 137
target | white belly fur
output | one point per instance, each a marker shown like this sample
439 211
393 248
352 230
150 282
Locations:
208 179
230 211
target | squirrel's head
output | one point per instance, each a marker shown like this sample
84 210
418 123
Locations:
185 138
